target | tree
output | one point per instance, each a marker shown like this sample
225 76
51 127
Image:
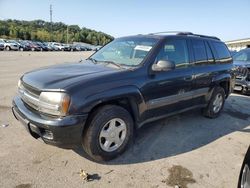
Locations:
45 31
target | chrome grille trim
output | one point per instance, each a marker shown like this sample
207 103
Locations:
29 97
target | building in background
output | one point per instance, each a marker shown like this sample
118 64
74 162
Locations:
237 45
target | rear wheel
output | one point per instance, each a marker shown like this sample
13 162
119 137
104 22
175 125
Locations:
215 104
108 134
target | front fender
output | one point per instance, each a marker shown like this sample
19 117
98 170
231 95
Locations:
131 93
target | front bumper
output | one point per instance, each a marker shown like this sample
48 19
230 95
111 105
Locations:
65 132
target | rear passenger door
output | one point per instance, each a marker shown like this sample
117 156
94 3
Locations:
203 67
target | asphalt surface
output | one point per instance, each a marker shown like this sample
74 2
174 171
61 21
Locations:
208 151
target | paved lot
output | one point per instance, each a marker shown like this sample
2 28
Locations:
209 151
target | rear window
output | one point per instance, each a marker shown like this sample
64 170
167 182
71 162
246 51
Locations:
221 50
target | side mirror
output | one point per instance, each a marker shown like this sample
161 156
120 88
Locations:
163 65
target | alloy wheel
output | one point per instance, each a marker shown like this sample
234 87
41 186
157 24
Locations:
112 134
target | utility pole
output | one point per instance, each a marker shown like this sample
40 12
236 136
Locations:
67 34
50 22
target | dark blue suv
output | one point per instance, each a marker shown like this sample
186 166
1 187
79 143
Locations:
133 80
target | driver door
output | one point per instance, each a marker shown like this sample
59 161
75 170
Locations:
170 91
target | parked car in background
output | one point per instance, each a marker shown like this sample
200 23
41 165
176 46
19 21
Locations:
80 47
1 45
67 47
242 62
47 44
233 52
42 46
129 82
22 46
33 46
51 47
73 48
57 46
25 45
244 177
9 45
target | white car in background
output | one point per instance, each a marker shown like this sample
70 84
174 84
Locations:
8 45
57 46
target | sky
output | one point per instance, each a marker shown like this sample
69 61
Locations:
226 19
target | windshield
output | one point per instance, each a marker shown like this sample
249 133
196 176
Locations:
125 51
242 56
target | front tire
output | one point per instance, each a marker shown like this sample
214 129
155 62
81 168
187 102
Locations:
215 104
7 48
108 133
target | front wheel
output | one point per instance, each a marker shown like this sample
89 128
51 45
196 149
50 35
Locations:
109 133
215 104
7 48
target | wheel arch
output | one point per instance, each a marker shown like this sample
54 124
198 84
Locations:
224 82
129 98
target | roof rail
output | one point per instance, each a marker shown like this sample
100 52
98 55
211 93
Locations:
198 35
169 32
184 33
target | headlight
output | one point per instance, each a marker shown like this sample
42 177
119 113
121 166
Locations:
54 103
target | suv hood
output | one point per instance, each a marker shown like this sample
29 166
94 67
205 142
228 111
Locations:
60 76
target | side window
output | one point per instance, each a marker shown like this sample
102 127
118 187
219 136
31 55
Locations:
175 50
221 50
200 53
210 56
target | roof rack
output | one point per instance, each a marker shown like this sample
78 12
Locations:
198 35
185 33
169 32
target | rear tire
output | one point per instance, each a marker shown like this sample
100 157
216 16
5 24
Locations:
215 104
103 140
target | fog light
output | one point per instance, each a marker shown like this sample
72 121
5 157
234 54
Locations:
48 134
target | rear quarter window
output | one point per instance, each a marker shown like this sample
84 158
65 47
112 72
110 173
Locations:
221 50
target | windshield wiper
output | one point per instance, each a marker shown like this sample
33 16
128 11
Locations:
111 62
92 59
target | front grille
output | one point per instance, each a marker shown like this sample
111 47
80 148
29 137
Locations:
29 95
